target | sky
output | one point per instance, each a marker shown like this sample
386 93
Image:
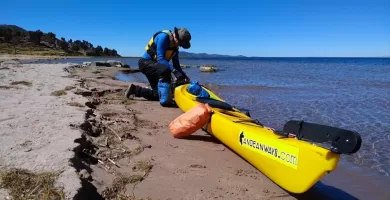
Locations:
274 28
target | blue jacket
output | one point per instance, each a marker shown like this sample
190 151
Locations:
162 43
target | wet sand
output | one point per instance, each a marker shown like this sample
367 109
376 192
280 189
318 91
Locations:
123 148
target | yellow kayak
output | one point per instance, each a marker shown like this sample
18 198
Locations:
293 164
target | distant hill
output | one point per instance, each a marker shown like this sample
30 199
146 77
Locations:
14 39
185 54
12 27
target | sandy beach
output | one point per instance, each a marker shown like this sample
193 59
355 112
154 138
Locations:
35 132
75 123
32 58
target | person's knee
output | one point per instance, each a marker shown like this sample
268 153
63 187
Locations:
143 65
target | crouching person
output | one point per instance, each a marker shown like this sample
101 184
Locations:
154 64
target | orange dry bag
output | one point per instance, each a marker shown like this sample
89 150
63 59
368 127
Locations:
190 121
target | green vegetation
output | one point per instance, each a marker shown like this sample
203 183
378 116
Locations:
75 104
144 165
26 83
16 40
58 93
118 188
24 184
6 87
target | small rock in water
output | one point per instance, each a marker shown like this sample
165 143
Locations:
109 63
86 64
100 64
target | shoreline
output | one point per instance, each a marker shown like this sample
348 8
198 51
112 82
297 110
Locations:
27 57
33 58
37 58
196 168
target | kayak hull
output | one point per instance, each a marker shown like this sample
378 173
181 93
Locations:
292 164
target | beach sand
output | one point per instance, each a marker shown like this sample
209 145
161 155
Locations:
35 132
107 147
33 58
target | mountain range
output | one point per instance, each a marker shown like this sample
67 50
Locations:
185 54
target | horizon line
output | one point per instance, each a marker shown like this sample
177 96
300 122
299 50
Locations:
242 56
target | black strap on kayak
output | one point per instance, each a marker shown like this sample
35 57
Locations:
220 104
343 141
225 106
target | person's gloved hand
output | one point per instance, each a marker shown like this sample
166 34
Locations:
181 76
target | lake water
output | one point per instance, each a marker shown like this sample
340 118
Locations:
351 93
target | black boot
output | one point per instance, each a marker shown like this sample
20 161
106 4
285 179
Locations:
147 93
131 90
138 91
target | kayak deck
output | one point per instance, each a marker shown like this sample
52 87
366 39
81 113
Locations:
293 164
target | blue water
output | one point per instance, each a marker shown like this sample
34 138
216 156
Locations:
351 93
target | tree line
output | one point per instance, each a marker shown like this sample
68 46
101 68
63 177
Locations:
16 35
